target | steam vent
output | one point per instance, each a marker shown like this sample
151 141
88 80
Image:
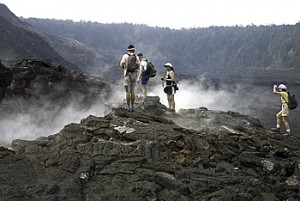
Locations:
151 154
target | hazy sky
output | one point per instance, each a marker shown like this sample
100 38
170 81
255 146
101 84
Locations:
163 13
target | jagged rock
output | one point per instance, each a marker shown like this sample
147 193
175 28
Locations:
6 78
194 154
40 82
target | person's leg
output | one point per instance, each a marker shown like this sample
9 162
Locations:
286 124
132 99
128 99
278 119
144 81
172 98
132 91
285 114
172 102
127 90
169 97
144 90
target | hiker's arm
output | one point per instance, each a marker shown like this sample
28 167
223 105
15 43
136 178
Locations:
140 73
275 90
138 61
123 61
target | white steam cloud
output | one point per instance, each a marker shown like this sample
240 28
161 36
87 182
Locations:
192 94
195 94
44 122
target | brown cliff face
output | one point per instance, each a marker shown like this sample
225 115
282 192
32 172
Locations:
150 154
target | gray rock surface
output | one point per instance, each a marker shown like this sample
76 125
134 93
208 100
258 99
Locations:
153 155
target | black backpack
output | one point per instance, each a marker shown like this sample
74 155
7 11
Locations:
150 71
292 103
132 63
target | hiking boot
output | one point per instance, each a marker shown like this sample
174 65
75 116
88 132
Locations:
276 130
171 110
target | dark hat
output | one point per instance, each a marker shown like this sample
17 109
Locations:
140 54
131 48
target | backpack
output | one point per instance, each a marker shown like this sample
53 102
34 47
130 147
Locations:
292 103
150 71
132 63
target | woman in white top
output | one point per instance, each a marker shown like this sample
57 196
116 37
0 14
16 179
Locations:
170 86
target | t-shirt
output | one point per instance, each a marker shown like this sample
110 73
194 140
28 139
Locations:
284 97
124 61
144 64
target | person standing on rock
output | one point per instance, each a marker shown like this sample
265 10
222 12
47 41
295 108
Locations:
130 64
284 112
142 76
170 88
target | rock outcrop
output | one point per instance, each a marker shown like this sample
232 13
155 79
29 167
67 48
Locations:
153 155
40 82
6 78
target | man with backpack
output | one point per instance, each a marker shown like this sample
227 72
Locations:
142 76
284 112
130 64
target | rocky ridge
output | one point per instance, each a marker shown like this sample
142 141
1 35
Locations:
6 78
153 155
38 82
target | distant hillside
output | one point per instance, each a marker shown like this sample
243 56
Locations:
95 48
17 43
23 40
86 58
12 18
191 50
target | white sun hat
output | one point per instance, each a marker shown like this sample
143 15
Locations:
282 86
168 65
